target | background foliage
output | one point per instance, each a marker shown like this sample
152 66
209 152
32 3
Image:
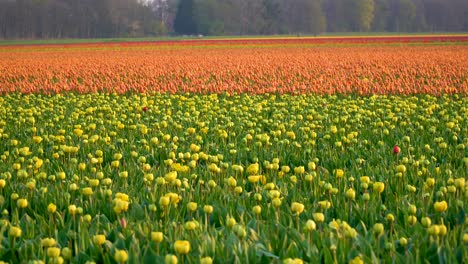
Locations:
131 18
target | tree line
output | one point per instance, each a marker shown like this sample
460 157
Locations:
79 19
137 18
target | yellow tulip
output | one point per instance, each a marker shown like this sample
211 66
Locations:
440 206
182 247
121 256
297 208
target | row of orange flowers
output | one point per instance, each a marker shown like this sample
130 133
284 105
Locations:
286 68
281 40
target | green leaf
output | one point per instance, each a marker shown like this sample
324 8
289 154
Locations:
63 237
82 258
327 256
120 244
136 211
459 254
152 258
461 216
442 254
262 251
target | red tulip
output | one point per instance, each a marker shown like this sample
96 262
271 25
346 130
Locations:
396 150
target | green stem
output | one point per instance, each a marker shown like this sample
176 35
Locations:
75 242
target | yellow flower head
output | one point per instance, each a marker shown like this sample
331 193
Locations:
2 183
434 230
171 176
324 204
72 209
401 168
37 139
66 253
299 170
379 187
442 230
22 203
230 222
339 173
170 259
121 256
350 194
378 229
214 168
460 183
78 132
390 217
120 205
297 208
232 182
276 202
206 260
164 201
99 239
157 237
309 225
15 231
93 182
319 217
53 252
440 206
254 178
87 191
403 241
426 222
312 166
253 169
191 225
48 242
208 209
356 260
191 206
293 261
285 169
365 179
257 209
182 247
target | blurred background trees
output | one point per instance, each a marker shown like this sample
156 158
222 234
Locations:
137 18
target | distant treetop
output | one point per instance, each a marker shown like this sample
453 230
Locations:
31 19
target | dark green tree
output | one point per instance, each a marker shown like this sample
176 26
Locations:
402 15
381 13
335 13
207 17
134 18
269 18
184 22
318 19
365 14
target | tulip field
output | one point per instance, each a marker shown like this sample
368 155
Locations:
310 150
